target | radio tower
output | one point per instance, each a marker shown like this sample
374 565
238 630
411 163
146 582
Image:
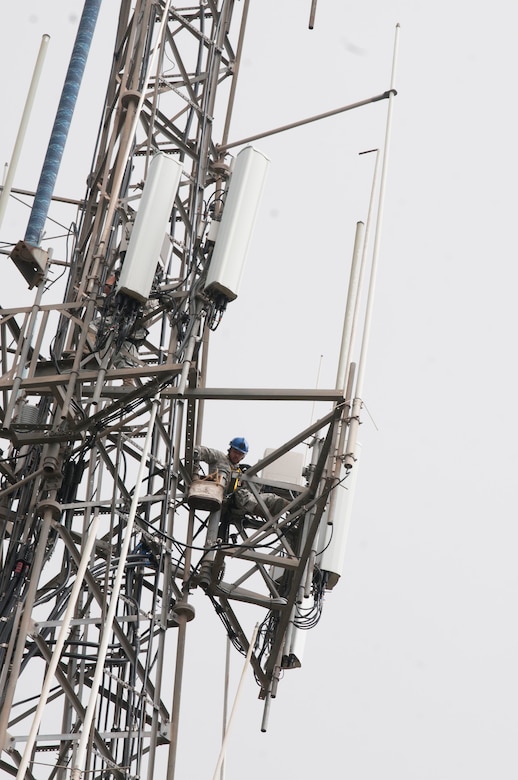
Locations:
106 530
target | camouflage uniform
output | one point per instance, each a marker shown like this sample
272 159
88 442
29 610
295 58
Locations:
243 501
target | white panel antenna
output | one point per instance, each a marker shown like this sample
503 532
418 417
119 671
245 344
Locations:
237 223
334 533
295 644
147 236
287 468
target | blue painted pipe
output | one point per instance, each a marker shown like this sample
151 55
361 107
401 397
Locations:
58 137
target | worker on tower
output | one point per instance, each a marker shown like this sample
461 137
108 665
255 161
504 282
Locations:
240 501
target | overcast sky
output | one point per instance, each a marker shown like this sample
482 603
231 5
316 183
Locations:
412 671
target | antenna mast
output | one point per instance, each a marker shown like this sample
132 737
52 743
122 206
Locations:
101 398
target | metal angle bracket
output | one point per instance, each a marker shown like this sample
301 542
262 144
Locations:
31 261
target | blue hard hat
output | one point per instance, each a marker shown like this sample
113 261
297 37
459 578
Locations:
240 444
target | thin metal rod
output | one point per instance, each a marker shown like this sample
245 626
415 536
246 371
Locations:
29 102
77 768
60 642
57 198
354 422
225 702
379 221
312 14
234 707
307 121
357 403
22 482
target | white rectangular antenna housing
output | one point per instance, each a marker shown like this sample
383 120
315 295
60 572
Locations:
237 223
333 539
147 236
287 468
297 645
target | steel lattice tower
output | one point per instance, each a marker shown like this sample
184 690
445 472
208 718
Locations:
97 535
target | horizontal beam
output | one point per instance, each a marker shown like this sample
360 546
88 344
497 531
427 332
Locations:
43 383
262 394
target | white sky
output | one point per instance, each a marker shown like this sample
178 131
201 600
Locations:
412 671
